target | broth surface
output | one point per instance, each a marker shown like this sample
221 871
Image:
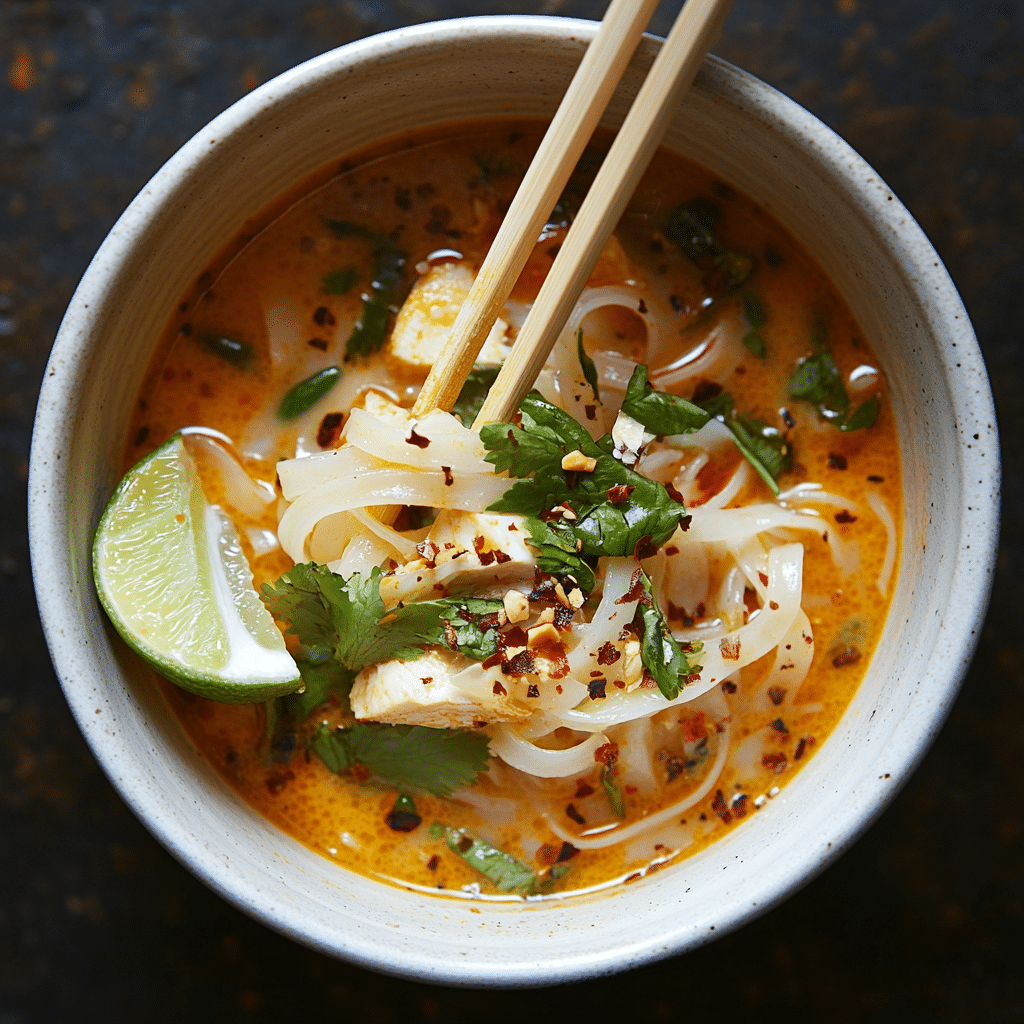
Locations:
292 296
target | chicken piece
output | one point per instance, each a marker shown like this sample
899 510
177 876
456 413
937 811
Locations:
421 692
426 319
483 553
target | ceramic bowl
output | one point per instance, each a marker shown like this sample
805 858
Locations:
751 136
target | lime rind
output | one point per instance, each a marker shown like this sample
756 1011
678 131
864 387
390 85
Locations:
171 574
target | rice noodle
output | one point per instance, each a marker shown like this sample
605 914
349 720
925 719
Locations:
879 507
714 358
521 753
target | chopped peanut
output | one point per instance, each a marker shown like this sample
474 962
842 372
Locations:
577 462
517 607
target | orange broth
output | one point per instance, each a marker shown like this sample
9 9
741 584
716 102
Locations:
431 196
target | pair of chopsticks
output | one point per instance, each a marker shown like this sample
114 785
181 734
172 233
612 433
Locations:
589 92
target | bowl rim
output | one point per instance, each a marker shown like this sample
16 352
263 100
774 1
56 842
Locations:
971 575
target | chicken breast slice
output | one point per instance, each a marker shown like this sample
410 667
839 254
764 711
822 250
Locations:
422 692
426 318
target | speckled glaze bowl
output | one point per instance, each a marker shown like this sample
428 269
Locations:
751 136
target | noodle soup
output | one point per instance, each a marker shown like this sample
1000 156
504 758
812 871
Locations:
295 359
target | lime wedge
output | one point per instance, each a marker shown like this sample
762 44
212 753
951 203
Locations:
171 574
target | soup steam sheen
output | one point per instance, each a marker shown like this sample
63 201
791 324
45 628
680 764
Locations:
533 744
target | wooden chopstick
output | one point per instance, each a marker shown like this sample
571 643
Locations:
574 123
674 69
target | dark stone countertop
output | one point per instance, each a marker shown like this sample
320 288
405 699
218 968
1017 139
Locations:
922 920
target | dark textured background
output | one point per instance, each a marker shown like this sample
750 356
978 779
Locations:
923 920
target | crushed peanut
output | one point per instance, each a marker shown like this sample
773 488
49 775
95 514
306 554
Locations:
577 462
517 607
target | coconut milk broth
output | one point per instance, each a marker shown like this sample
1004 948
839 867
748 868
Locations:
441 200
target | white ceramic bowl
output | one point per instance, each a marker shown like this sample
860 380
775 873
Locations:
751 136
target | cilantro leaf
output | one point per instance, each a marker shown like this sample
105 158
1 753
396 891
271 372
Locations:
587 365
339 282
557 552
369 332
817 380
660 413
430 621
508 873
612 787
755 344
436 760
659 650
754 310
474 391
542 436
692 227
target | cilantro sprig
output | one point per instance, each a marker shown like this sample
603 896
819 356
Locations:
345 619
817 380
692 227
661 653
661 414
599 523
434 760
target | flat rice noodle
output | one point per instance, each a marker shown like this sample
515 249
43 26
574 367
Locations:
525 755
469 492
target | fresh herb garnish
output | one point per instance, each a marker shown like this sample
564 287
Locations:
661 413
761 444
612 786
660 652
237 353
587 365
438 761
474 391
507 873
753 340
692 228
817 380
347 620
533 449
370 330
755 344
308 392
403 817
340 281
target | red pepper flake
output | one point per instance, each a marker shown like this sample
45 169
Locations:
596 688
776 694
774 605
360 772
433 863
730 648
533 690
648 682
847 655
608 654
512 438
642 308
583 789
417 439
780 726
694 728
845 517
763 577
876 479
671 550
427 680
607 754
547 855
801 747
450 636
318 343
515 637
402 821
836 461
439 587
644 548
636 876
674 767
728 686
591 411
719 806
513 528
631 790
495 659
498 690
448 478
553 651
619 493
619 684
636 589
486 557
329 431
739 805
567 852
775 762
323 317
575 815
520 665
